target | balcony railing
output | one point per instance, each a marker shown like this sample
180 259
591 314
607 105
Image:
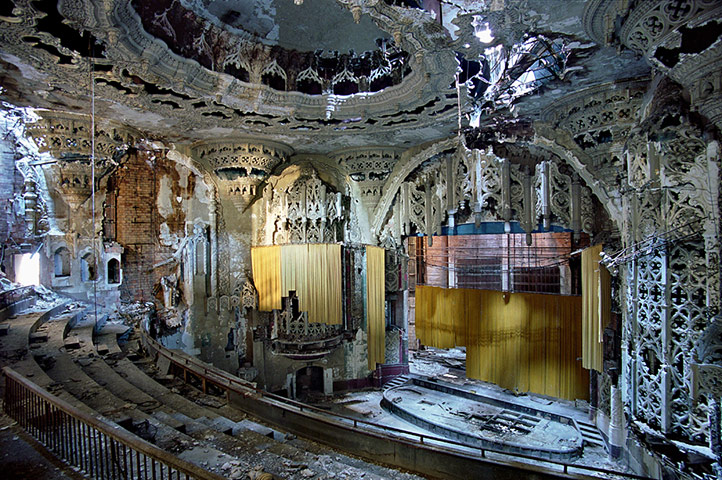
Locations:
98 448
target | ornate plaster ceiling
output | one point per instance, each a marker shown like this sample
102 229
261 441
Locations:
192 70
318 24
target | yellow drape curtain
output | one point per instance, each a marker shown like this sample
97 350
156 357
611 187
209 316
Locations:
266 266
294 273
313 271
520 341
444 316
376 312
596 307
322 292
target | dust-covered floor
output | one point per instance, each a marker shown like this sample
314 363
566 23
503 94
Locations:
448 366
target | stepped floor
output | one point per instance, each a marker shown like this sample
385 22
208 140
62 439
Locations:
66 356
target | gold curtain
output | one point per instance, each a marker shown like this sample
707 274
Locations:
294 273
266 265
313 271
323 284
596 307
443 322
375 307
520 341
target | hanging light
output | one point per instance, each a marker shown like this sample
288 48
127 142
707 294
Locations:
298 2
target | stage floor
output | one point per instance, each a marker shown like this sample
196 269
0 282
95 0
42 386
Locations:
445 367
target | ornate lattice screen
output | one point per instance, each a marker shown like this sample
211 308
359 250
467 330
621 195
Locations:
520 341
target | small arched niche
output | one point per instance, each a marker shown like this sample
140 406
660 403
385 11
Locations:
61 262
88 271
113 271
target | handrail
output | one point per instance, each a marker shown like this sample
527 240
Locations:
244 388
16 299
98 448
14 294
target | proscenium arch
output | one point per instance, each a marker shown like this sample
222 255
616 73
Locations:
403 168
408 163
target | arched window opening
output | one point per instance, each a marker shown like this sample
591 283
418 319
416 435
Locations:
61 262
345 87
309 87
113 271
87 268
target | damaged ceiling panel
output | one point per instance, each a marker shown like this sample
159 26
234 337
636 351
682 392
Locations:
349 72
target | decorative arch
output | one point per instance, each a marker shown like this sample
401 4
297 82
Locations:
400 172
114 272
542 140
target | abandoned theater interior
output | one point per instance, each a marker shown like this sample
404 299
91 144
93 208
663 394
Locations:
361 238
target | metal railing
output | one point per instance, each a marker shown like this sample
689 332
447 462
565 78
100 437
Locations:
8 297
13 301
99 449
231 383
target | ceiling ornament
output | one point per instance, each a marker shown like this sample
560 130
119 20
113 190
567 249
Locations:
240 165
141 79
680 38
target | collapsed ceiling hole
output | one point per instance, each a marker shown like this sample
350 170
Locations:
53 23
694 40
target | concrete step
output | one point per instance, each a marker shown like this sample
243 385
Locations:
257 427
591 435
219 424
169 420
38 337
396 382
72 342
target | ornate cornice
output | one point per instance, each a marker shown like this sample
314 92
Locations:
653 23
599 117
256 158
121 28
369 167
661 32
64 134
379 161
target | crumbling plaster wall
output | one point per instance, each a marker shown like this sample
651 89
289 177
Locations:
164 214
348 362
12 213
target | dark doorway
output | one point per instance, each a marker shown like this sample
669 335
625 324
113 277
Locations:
309 383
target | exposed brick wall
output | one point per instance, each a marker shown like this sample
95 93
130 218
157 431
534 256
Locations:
137 223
